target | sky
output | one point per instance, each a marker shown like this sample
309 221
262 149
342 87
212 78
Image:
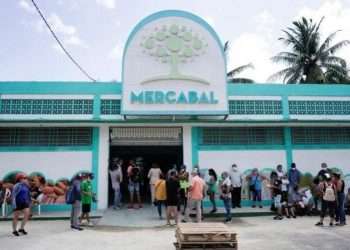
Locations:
95 31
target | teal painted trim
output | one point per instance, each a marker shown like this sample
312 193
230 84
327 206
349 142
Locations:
288 146
239 147
67 88
97 107
321 146
54 207
244 203
285 107
288 89
176 112
194 139
44 149
95 159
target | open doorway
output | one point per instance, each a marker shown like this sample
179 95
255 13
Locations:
152 145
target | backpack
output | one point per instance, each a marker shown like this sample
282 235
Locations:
22 195
135 174
329 193
70 199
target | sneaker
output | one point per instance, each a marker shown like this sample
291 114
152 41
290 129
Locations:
320 224
288 216
253 206
183 221
227 220
213 211
22 231
77 228
130 206
239 206
331 224
15 233
294 217
260 206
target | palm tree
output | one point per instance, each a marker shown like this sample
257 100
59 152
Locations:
232 74
309 60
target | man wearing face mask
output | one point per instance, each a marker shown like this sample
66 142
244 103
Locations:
294 176
236 182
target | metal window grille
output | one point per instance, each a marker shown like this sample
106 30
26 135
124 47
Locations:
319 107
242 136
110 107
301 136
45 137
46 106
256 107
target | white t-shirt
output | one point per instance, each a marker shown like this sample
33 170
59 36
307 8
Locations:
284 186
227 183
154 175
114 177
236 178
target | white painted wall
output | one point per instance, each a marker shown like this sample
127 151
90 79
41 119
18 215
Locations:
53 165
245 159
103 158
310 160
187 145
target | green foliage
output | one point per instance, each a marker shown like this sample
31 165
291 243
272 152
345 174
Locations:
310 60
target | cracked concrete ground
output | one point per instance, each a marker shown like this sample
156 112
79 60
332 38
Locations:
253 233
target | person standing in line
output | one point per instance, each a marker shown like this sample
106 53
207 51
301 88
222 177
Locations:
212 188
279 171
160 194
226 195
329 199
86 197
184 185
324 170
76 202
153 175
236 181
21 202
134 184
195 196
172 197
294 176
277 197
116 175
340 211
255 185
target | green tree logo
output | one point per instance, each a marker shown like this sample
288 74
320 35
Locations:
174 44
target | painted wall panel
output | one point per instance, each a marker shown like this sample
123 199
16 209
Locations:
310 160
54 165
246 160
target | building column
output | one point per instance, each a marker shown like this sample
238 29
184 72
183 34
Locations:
288 145
187 145
103 163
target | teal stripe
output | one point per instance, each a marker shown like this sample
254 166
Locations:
195 138
44 149
97 107
240 147
285 107
69 88
321 146
95 158
288 145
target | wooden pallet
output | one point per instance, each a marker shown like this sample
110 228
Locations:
205 236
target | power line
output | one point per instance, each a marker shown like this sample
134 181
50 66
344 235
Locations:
60 44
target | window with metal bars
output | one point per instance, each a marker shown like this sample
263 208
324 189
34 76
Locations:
110 107
312 136
46 106
255 107
302 107
13 137
241 136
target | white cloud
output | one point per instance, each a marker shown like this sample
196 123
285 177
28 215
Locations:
68 33
116 52
109 4
252 48
25 5
337 16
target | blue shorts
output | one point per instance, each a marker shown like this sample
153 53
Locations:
277 201
134 187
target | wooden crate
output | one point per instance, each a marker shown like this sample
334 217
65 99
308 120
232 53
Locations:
205 236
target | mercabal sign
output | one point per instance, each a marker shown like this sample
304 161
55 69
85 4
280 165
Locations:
174 63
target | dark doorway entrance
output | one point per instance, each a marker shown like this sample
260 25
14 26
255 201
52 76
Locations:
167 157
